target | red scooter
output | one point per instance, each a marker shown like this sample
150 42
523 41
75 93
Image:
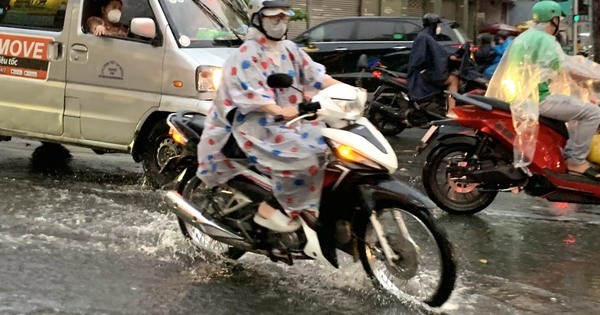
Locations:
473 160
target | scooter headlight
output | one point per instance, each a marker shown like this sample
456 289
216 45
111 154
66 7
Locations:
348 154
208 78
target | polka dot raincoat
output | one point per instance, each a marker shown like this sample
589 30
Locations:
289 156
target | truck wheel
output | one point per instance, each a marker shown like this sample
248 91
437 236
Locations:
160 147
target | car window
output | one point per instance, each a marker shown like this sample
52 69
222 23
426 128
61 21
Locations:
130 11
35 14
376 30
407 30
447 34
333 32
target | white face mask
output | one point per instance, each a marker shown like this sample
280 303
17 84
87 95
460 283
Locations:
275 30
438 30
114 15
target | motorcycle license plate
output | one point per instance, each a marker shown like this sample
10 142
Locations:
430 133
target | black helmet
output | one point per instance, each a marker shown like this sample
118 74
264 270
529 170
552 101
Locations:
431 19
502 34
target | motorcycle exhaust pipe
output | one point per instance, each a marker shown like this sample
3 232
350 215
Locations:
188 213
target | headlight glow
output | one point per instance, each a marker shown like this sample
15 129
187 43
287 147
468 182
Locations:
347 153
208 78
177 136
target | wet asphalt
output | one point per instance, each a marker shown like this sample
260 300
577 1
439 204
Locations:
98 241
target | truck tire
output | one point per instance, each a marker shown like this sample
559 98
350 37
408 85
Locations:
159 148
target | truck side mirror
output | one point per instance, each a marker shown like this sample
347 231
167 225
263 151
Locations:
144 27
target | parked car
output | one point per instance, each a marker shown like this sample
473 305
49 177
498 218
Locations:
338 44
62 84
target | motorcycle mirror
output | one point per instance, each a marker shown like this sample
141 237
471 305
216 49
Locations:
279 81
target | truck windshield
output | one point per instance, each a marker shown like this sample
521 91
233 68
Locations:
207 23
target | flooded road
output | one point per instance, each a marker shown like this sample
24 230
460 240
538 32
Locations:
98 241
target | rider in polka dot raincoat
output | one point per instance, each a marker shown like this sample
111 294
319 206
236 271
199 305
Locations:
289 156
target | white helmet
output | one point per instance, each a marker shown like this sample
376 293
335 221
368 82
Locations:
254 6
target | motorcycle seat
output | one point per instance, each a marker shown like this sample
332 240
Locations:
554 124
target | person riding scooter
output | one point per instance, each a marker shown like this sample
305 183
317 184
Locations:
245 108
502 41
538 78
428 65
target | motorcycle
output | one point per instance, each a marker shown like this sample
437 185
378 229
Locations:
364 211
392 111
468 166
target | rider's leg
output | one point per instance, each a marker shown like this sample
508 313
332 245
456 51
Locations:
295 191
452 85
583 124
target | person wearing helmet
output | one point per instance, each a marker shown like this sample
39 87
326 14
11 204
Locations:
428 65
537 78
502 40
484 57
245 108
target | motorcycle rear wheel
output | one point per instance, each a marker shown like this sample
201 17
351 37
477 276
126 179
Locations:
426 271
193 193
387 127
452 196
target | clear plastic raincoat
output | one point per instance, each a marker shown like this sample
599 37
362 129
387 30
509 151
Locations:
534 67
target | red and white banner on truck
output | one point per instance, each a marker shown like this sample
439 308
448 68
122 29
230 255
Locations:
24 56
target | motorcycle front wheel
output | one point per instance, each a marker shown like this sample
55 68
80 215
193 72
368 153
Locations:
452 195
197 194
417 261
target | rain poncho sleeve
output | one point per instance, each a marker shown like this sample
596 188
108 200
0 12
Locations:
247 84
534 67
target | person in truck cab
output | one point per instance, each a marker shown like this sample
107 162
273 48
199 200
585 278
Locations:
109 23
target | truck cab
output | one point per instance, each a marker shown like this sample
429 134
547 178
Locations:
61 83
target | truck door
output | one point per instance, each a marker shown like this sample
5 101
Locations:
112 81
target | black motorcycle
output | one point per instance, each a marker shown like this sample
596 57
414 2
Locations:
364 212
391 111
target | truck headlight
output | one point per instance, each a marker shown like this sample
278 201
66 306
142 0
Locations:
208 78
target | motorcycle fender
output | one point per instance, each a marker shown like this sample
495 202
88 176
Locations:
450 139
313 247
393 192
452 133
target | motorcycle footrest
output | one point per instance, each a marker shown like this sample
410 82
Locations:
276 256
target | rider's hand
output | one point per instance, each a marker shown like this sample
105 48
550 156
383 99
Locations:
454 57
99 30
289 112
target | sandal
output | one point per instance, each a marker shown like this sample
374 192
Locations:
590 173
278 222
